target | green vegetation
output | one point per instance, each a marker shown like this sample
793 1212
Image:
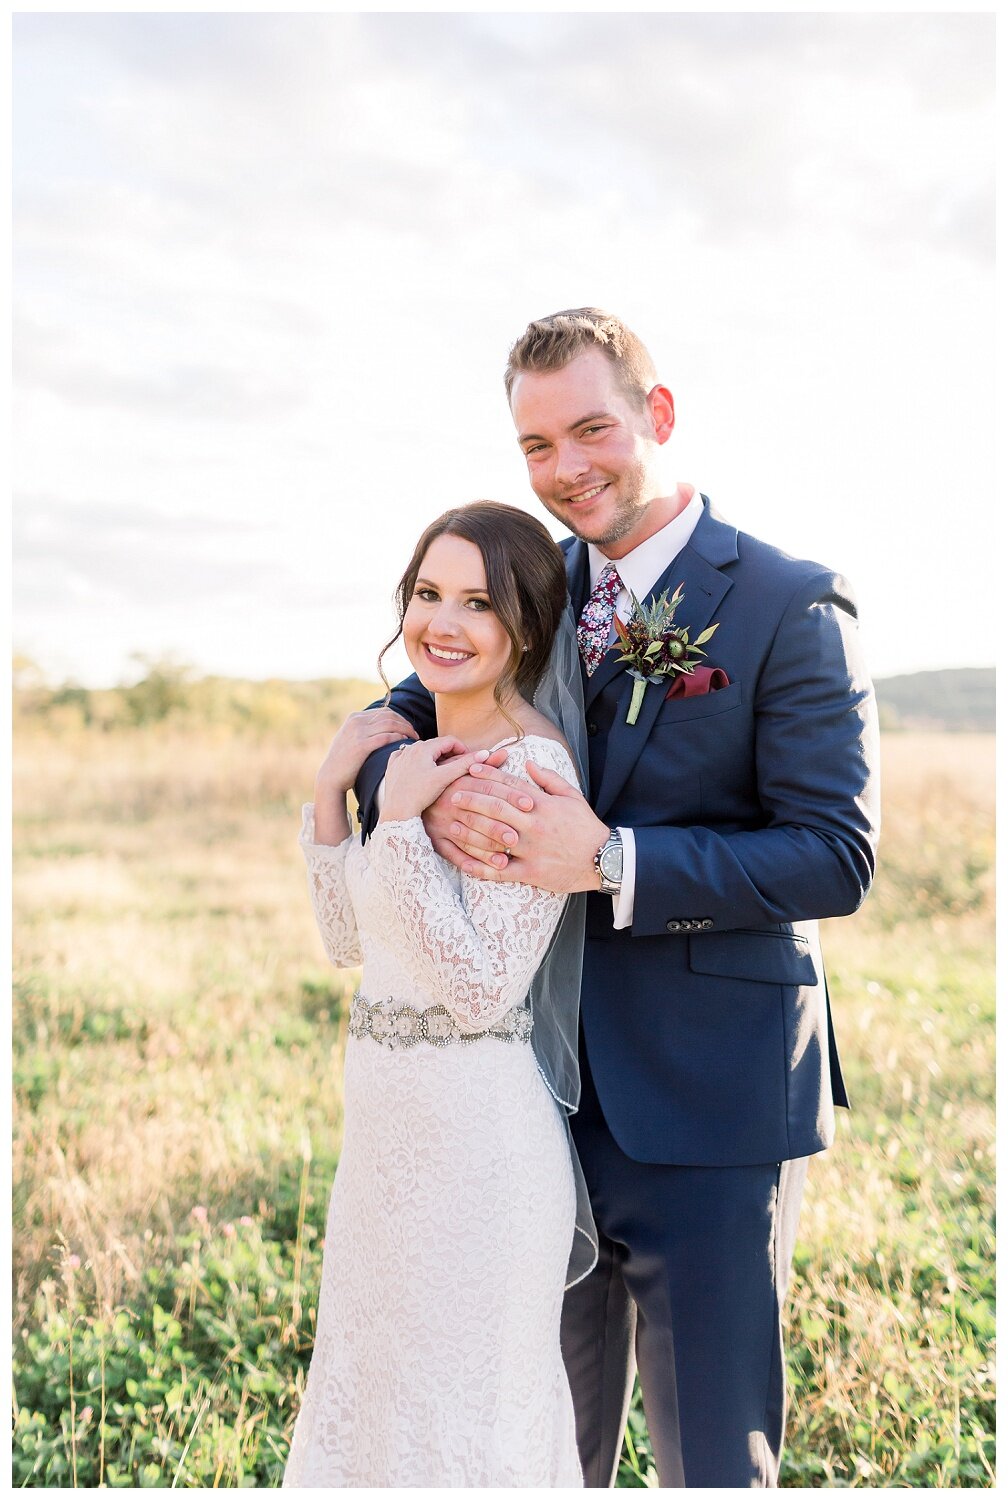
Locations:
168 695
178 1042
193 1383
958 699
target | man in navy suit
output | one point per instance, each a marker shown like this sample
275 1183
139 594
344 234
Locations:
719 827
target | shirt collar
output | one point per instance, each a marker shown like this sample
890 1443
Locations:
642 567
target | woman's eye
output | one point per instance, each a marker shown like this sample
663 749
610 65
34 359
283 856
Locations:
427 595
480 604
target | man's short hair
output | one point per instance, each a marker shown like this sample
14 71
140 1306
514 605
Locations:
551 343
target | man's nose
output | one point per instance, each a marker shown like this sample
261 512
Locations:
572 464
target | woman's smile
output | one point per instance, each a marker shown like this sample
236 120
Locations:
452 636
447 654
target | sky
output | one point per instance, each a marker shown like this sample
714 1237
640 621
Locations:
267 268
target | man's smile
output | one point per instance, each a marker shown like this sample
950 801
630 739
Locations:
584 496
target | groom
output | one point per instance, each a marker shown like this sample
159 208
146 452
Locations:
738 807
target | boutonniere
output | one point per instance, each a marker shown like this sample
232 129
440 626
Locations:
655 647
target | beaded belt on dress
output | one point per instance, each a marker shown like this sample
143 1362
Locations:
403 1025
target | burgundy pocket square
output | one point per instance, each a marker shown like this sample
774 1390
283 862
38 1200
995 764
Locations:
698 682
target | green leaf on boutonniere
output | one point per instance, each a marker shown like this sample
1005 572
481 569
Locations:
654 647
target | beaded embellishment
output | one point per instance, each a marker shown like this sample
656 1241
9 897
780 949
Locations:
403 1025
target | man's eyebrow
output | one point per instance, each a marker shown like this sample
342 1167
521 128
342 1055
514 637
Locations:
432 585
592 416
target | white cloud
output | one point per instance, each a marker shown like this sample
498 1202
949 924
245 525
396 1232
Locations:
268 267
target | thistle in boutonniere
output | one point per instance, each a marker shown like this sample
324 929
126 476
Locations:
654 646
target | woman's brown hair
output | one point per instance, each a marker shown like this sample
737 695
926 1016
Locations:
526 582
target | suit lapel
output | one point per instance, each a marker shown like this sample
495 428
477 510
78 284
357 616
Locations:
576 562
697 568
578 586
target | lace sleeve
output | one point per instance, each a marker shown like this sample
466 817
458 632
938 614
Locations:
478 950
330 899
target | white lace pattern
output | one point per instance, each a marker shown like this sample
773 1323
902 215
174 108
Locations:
437 1353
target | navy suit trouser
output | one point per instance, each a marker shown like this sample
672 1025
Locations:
693 1268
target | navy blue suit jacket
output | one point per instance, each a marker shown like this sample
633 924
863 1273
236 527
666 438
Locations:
755 812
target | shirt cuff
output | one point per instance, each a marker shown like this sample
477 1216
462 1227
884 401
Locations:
622 905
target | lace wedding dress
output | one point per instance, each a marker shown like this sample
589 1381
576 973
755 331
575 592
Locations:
437 1351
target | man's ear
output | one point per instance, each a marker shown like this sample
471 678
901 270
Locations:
662 411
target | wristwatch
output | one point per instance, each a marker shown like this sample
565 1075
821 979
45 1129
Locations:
609 864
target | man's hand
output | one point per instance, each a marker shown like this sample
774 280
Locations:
551 844
358 736
456 842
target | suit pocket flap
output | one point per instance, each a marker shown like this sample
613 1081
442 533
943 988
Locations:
767 957
679 710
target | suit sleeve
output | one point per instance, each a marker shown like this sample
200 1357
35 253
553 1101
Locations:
411 699
816 762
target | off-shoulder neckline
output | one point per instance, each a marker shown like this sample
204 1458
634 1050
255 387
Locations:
512 743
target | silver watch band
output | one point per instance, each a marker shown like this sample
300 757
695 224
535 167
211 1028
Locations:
609 864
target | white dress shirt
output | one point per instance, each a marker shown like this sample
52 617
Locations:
639 571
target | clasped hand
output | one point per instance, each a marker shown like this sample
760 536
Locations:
494 826
484 821
418 774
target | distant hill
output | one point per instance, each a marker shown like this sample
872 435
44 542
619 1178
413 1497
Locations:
958 698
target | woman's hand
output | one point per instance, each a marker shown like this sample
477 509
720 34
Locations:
361 734
417 774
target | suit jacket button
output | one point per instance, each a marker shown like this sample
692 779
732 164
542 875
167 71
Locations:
707 922
673 926
591 727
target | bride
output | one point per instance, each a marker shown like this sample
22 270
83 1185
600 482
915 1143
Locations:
458 1212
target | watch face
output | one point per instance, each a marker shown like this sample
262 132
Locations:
611 863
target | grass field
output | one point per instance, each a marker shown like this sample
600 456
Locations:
178 1043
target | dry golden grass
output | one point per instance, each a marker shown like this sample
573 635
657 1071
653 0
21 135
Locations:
164 949
179 1037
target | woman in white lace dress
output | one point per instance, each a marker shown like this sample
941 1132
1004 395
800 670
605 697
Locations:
437 1351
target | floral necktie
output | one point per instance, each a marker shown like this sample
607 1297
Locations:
596 617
